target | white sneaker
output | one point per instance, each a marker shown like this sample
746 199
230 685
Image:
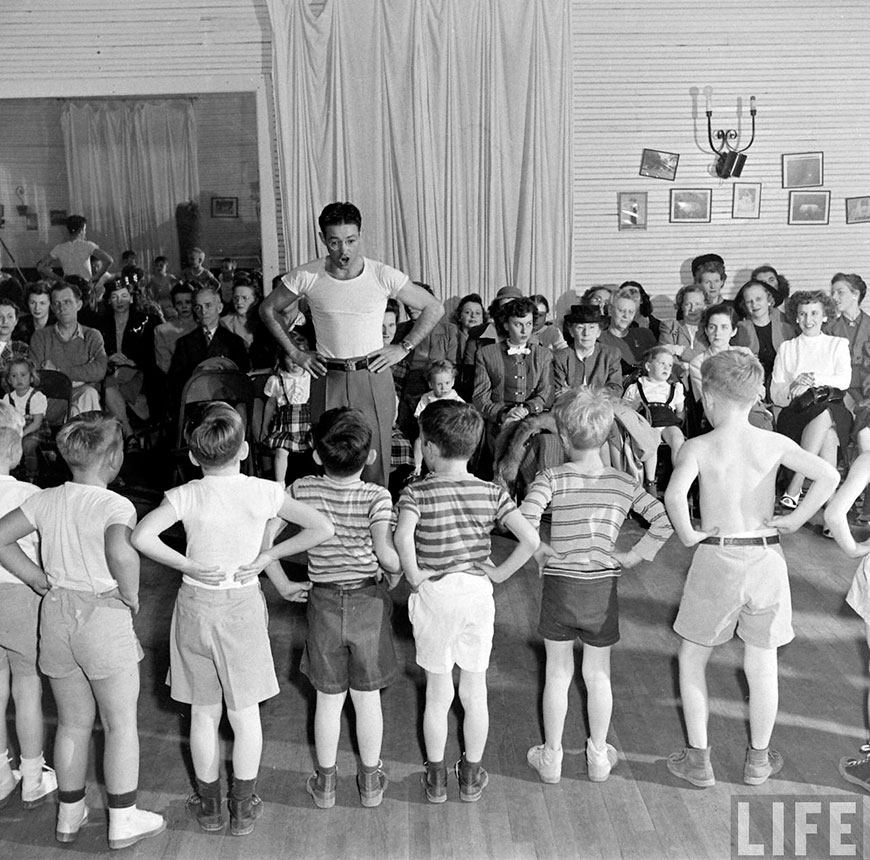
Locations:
35 795
71 817
547 762
127 826
599 762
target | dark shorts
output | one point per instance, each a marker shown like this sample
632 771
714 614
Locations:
350 640
572 608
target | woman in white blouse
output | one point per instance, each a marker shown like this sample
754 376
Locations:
809 361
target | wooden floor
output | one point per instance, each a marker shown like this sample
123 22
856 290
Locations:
640 812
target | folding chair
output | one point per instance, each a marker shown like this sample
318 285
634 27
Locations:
57 388
206 386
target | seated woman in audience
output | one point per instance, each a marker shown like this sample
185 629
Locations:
244 318
10 347
490 331
469 315
684 336
600 296
131 380
848 291
720 325
708 270
37 297
586 361
770 276
548 335
632 342
762 327
645 317
810 375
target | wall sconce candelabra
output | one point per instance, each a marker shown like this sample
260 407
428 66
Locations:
729 157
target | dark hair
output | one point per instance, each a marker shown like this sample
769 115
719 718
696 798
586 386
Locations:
37 288
454 428
855 282
811 297
516 308
76 223
182 287
339 213
159 260
471 298
538 299
342 439
644 307
726 309
128 254
740 298
5 301
586 298
782 284
393 307
57 286
715 266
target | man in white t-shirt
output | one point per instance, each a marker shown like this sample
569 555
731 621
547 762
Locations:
75 255
347 294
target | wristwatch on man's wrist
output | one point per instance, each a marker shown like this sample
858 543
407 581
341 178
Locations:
407 346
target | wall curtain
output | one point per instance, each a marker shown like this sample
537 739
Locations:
446 121
129 164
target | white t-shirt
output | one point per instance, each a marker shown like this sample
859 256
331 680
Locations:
12 494
72 520
347 315
225 518
429 397
38 403
75 257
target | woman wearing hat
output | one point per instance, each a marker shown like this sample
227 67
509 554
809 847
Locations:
585 361
763 327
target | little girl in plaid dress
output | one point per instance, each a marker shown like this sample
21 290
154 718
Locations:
288 419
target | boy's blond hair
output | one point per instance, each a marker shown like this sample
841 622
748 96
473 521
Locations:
10 446
11 417
584 417
87 439
216 440
733 375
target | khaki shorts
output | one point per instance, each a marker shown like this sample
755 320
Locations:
454 622
19 620
81 632
736 587
219 647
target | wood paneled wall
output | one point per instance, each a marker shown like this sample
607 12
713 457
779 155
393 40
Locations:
636 67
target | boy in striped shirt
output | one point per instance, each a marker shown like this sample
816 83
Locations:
350 641
443 539
580 568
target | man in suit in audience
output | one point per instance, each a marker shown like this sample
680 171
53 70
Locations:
207 340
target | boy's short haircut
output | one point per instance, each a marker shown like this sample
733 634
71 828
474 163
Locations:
440 365
342 440
160 260
128 255
10 446
339 213
584 417
216 440
454 428
76 223
654 352
22 359
733 375
88 438
182 288
725 309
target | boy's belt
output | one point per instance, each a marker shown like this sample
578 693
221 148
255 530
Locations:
348 586
346 365
767 540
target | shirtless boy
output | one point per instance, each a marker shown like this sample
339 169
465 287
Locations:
738 578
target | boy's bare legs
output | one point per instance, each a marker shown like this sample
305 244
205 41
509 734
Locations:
475 725
439 698
327 727
280 461
204 741
693 690
27 694
559 673
76 712
650 465
760 666
118 699
247 741
813 439
599 694
369 725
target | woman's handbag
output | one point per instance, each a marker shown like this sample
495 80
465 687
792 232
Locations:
819 394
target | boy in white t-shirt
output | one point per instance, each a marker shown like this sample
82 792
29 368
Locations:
219 641
87 645
19 619
75 256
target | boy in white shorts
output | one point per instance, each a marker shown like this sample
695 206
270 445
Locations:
738 578
87 645
219 641
443 540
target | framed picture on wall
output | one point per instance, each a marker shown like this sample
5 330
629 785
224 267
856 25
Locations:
224 207
31 221
690 205
857 210
808 207
631 208
803 169
746 200
659 165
